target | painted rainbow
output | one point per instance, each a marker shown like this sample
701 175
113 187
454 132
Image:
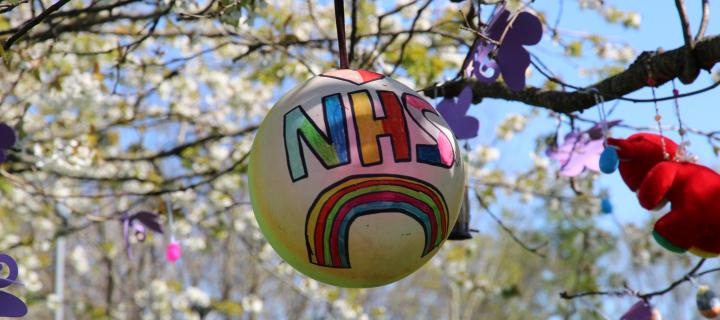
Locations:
334 210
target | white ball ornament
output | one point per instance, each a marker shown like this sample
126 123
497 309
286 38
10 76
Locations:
355 179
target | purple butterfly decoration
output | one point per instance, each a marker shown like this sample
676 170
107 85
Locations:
580 150
512 59
455 113
138 222
8 138
10 306
640 311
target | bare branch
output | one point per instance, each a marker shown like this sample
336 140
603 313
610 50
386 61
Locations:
693 273
353 31
33 22
409 37
7 7
704 21
684 22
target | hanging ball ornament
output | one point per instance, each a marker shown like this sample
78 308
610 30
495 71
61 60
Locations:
609 160
355 180
173 252
606 206
707 302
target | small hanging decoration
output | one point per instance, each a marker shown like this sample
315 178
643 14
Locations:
642 310
10 306
707 302
609 160
501 49
138 222
455 113
173 251
580 150
355 180
606 206
8 138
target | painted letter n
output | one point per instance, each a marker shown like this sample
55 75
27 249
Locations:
330 149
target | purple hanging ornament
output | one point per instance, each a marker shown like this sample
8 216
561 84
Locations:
455 113
642 310
10 306
577 153
512 58
138 222
8 138
483 68
173 251
580 150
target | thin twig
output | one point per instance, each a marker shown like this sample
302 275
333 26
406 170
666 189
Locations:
684 23
704 20
353 31
534 250
409 37
693 273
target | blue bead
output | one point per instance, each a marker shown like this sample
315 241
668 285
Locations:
606 206
609 160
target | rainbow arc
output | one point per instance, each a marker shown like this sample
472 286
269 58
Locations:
336 208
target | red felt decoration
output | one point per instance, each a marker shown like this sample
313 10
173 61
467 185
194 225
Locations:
693 191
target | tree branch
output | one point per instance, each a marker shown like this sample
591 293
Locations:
693 273
33 22
409 37
665 67
704 21
689 72
684 22
353 31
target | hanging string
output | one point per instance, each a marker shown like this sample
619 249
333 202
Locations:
600 101
651 83
340 24
681 129
168 207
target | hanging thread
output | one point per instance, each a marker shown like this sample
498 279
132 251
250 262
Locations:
173 251
340 24
681 129
651 83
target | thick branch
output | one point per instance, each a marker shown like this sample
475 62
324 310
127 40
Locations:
33 22
665 66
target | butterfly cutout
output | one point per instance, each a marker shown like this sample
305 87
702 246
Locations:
455 113
641 310
512 59
8 138
580 150
138 222
10 306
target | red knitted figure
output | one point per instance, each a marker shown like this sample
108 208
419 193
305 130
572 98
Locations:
693 222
